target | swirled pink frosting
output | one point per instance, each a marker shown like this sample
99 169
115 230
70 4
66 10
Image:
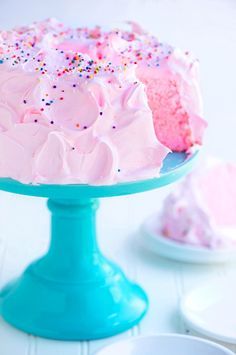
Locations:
75 105
201 209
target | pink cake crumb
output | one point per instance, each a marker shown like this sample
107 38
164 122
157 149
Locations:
174 98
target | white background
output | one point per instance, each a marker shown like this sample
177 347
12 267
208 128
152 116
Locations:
208 29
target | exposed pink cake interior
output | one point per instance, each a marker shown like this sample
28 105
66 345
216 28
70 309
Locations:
175 101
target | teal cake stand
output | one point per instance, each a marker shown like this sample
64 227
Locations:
74 292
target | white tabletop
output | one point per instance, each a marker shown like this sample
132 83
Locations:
206 27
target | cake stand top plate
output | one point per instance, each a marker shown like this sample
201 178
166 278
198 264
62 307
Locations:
175 166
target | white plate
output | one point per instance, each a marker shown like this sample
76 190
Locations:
211 310
165 344
180 252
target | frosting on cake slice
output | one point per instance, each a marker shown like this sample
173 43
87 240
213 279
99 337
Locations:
202 208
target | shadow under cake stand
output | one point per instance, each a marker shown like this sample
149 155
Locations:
74 292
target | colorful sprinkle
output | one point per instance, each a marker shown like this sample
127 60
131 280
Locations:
24 47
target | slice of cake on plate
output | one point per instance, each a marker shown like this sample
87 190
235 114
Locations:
201 210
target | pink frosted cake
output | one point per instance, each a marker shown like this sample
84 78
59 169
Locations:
86 106
201 210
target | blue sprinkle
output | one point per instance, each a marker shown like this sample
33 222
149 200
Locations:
1 61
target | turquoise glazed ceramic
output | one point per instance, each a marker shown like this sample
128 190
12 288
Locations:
74 292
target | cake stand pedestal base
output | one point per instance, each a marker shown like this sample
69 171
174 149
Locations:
73 292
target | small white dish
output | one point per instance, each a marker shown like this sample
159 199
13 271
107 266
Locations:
210 310
181 252
164 344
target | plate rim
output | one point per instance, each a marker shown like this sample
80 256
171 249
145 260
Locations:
189 320
166 335
148 236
